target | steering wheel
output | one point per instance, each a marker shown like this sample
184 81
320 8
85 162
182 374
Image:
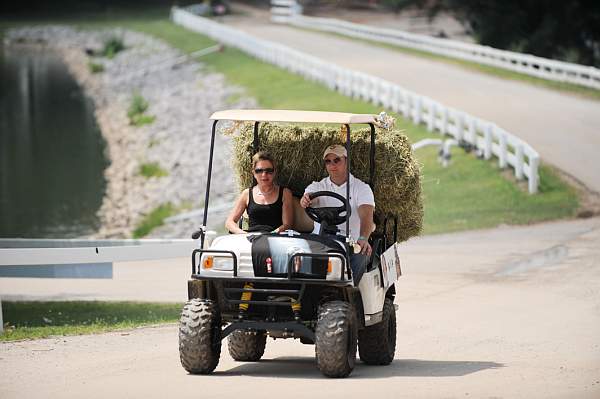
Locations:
331 215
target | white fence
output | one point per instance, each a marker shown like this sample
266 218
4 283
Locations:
283 10
24 254
489 139
523 63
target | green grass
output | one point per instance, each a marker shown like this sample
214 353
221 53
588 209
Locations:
136 110
152 169
32 320
141 119
112 46
464 197
469 194
154 219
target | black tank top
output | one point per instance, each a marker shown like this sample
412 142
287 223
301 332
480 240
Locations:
265 217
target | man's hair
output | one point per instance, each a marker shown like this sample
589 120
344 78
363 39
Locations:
262 156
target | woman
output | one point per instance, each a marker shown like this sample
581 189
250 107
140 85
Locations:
268 205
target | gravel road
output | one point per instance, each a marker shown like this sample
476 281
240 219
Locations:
502 313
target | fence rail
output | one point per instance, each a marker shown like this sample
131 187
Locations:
26 252
81 258
528 64
489 139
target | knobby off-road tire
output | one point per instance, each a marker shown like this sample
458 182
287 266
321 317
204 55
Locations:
377 343
335 339
200 336
247 346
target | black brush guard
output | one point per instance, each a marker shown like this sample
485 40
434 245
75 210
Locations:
231 295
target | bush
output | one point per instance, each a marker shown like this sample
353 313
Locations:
139 120
152 169
112 46
138 106
95 67
136 111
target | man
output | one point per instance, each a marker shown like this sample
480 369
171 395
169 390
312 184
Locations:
362 204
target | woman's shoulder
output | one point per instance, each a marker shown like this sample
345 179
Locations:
287 192
245 194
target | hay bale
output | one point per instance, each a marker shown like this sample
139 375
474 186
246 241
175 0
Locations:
298 152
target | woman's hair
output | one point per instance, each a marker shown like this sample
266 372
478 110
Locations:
262 156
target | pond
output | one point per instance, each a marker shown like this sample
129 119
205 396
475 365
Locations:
52 154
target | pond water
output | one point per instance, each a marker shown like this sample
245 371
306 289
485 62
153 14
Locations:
52 155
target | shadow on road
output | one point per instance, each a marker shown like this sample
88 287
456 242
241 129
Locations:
306 367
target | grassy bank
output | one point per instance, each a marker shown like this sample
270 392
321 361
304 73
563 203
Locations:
32 320
469 194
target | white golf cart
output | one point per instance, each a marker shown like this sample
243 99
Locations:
294 284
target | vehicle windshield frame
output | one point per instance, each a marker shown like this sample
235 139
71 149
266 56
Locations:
293 117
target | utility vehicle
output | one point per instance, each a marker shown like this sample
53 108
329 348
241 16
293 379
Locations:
300 287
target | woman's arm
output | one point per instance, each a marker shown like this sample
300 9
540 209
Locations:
287 213
236 213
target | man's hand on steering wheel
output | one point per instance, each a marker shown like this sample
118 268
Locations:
305 200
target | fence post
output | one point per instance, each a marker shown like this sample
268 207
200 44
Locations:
533 174
487 148
444 126
431 117
472 131
503 150
405 104
418 110
460 126
519 163
396 100
1 320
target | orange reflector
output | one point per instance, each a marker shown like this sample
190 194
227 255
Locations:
208 262
329 266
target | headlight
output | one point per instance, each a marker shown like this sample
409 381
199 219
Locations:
223 263
334 269
217 262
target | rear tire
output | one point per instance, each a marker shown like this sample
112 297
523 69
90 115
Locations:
200 336
247 346
335 339
377 343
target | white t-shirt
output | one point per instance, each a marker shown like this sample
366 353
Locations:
360 194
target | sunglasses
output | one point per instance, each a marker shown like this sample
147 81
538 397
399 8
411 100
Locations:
334 161
269 171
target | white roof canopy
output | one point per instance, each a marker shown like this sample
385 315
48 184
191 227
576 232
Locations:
272 115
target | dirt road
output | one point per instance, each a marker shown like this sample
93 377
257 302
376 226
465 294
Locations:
503 313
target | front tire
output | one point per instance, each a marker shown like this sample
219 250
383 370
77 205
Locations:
335 339
377 343
247 346
200 336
